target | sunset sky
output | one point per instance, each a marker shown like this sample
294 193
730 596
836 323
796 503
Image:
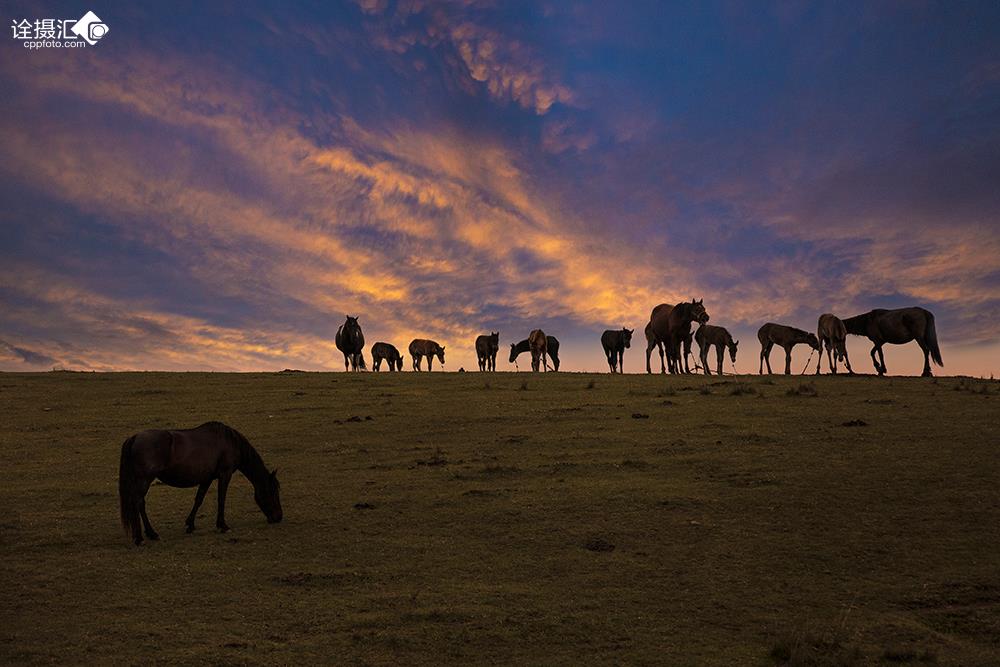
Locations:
215 186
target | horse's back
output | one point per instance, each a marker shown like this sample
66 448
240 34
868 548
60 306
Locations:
610 339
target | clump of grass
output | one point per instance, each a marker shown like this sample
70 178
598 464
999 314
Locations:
972 387
487 385
705 390
524 385
741 388
666 392
591 384
804 389
814 650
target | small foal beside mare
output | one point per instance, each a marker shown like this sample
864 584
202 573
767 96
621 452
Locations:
772 334
708 335
830 330
388 353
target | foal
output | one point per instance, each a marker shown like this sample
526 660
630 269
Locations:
832 331
709 335
538 344
614 344
772 334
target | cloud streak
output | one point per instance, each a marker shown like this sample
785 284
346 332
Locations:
190 213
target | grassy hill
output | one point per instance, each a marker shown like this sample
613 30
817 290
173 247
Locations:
469 518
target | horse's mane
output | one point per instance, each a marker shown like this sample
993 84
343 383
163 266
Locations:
251 463
523 346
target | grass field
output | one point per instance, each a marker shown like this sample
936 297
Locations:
513 518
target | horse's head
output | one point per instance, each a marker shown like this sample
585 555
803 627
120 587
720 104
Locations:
267 494
733 344
813 341
399 362
440 354
513 353
495 337
698 312
627 336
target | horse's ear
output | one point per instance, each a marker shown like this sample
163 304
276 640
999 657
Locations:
274 473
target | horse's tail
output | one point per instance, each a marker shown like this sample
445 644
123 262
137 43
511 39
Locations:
127 490
930 334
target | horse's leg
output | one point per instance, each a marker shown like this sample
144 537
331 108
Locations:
788 360
659 349
720 352
150 533
220 518
847 361
198 498
820 356
927 359
621 360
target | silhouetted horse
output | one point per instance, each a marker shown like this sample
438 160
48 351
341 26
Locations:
486 350
351 342
551 345
186 458
651 342
707 336
772 334
671 324
614 343
898 327
831 330
421 347
538 345
389 353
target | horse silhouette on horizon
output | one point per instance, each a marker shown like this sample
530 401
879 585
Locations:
897 327
351 341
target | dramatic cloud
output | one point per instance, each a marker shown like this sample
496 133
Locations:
442 169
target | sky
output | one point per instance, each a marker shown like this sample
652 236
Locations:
215 186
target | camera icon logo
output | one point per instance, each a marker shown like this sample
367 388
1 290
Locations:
90 28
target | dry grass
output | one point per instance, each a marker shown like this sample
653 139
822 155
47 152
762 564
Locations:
458 525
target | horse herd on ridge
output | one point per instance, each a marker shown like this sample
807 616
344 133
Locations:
215 451
670 331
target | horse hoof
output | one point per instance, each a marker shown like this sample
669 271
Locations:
190 528
223 529
138 541
153 536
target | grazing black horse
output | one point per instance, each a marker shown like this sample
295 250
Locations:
389 353
351 342
772 334
707 336
186 458
897 326
486 350
614 344
552 348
